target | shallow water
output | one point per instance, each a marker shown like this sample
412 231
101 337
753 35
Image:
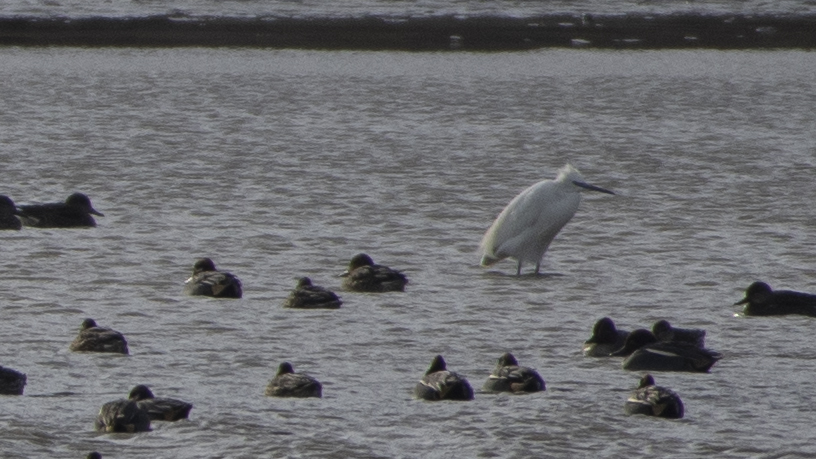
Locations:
402 8
279 164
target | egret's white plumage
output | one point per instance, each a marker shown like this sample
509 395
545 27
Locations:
527 226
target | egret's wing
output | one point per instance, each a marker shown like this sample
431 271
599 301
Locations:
518 215
529 223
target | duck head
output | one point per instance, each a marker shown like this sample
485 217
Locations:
634 341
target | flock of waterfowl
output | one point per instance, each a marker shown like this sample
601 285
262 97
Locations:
135 413
523 231
666 348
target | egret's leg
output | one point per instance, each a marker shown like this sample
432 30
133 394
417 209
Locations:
518 271
538 266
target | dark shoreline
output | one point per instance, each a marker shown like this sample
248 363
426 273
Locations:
673 31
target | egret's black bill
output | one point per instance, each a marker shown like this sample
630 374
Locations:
591 187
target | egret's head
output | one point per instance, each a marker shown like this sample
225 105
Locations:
569 174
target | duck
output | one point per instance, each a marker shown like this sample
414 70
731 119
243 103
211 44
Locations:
122 416
93 338
8 214
644 352
75 212
440 384
605 339
93 455
664 331
365 276
287 383
761 300
508 376
309 296
653 400
12 382
159 409
208 281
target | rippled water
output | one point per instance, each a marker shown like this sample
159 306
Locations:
279 164
307 8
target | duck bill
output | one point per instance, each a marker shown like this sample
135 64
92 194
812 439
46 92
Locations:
742 301
96 212
589 187
345 274
622 352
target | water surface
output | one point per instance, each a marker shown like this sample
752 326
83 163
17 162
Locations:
279 164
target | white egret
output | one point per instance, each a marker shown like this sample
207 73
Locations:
527 226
